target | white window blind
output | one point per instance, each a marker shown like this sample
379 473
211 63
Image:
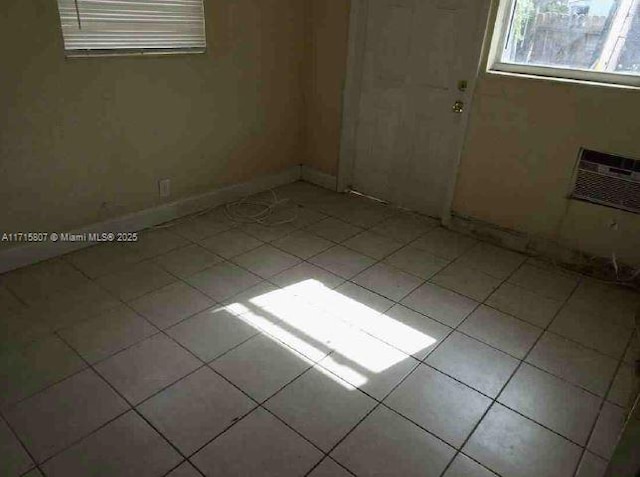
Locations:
132 25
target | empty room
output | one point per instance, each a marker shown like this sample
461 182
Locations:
324 238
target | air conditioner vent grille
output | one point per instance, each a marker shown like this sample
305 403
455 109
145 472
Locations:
608 180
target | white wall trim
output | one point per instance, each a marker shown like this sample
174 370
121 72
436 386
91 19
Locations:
26 255
319 178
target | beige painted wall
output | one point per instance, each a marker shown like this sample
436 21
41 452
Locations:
520 152
328 32
85 139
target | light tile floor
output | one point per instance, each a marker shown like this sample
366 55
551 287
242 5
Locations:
358 340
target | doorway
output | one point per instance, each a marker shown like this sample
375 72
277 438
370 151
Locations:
411 70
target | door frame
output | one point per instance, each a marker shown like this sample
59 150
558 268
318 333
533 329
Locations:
352 90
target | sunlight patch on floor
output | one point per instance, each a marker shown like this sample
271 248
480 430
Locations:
315 321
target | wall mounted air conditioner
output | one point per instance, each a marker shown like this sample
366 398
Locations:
608 179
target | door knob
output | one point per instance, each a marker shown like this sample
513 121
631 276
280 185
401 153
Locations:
458 107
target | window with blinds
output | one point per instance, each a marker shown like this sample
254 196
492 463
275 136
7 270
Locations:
132 26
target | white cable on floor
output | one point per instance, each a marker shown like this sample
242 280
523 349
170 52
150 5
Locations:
235 213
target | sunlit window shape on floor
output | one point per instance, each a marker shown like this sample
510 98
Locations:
346 337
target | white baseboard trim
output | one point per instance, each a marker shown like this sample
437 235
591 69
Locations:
318 178
26 255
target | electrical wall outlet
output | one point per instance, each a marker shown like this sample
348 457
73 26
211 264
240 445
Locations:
164 187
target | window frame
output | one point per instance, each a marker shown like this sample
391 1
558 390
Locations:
124 52
506 9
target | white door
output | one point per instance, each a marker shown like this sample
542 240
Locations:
408 62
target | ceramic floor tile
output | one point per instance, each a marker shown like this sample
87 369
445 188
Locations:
373 245
9 303
171 304
466 281
553 284
43 279
136 281
607 432
293 322
187 261
440 304
633 350
301 192
199 227
444 243
625 386
100 337
430 398
103 259
348 304
261 366
184 470
367 363
245 300
268 233
387 444
417 262
626 459
142 370
211 333
342 261
223 281
524 304
360 296
303 216
154 242
266 261
409 331
388 281
17 331
591 466
64 413
28 370
595 332
231 243
15 460
33 473
495 261
474 363
196 409
501 331
552 402
462 466
334 229
304 272
365 217
618 304
577 364
273 450
135 450
67 309
329 468
303 244
405 227
512 445
309 406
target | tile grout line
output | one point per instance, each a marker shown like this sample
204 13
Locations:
493 399
519 365
285 385
34 462
311 367
601 407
